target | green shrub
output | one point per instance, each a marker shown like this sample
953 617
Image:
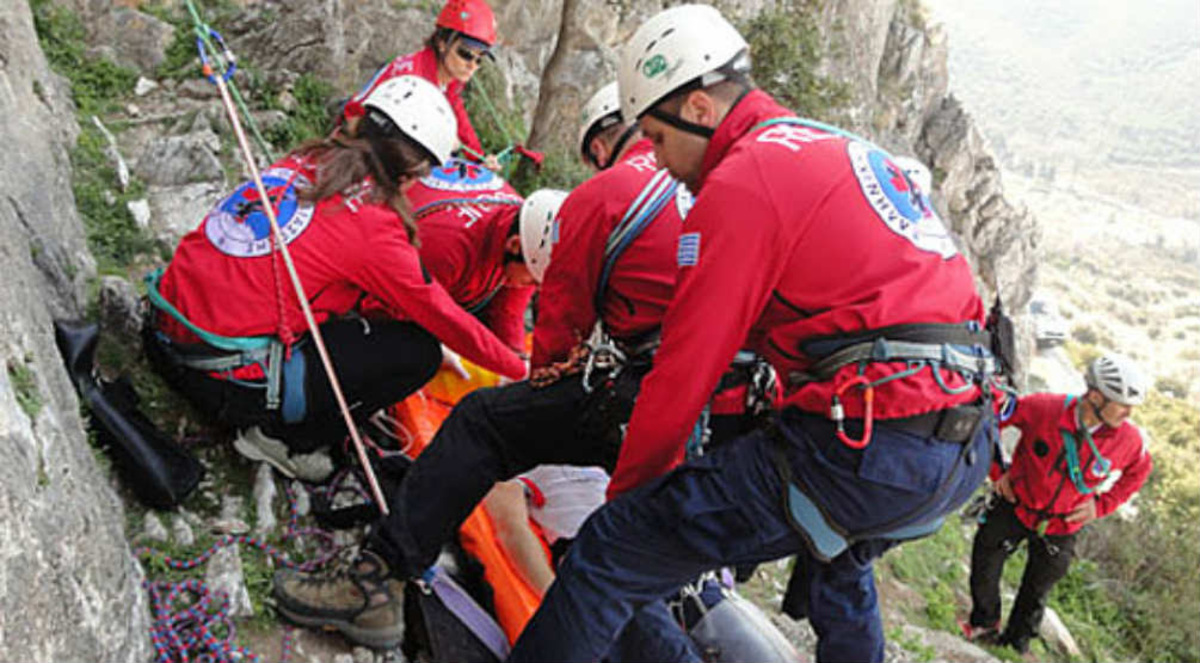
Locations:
786 49
113 236
97 84
25 387
309 119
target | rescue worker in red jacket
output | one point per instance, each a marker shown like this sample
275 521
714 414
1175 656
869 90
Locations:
228 331
495 434
467 218
464 35
815 249
1078 459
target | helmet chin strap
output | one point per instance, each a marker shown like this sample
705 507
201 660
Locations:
1098 411
680 123
691 127
618 146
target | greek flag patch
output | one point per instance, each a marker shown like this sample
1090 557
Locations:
689 250
554 232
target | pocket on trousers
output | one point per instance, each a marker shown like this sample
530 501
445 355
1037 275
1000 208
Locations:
709 519
906 462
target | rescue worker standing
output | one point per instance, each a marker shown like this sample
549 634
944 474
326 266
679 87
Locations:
228 332
1078 459
495 434
816 250
463 36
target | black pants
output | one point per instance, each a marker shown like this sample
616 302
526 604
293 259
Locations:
378 362
491 435
1049 558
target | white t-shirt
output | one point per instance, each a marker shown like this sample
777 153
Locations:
571 495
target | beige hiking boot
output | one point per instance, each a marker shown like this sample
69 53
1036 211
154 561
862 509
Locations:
360 599
314 467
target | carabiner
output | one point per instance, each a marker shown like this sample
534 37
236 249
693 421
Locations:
225 55
838 414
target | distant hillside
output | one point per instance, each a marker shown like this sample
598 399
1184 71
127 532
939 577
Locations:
1102 93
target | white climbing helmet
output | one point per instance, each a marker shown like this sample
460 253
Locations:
420 111
600 112
537 229
917 172
673 48
1118 378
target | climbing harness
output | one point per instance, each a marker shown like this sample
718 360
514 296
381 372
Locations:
959 349
280 245
190 620
606 358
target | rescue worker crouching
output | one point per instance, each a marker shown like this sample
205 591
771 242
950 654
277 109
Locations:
469 225
463 36
228 333
1078 459
495 434
816 250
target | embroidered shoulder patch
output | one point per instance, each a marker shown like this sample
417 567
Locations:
688 254
459 175
898 201
239 226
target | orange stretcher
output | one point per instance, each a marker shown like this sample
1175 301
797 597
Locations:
420 415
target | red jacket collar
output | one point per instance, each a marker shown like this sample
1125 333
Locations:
642 147
754 108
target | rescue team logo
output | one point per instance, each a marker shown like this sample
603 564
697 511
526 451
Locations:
462 176
688 254
239 226
905 209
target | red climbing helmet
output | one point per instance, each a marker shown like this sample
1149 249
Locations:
472 18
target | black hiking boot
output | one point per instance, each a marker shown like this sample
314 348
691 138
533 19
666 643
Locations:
360 599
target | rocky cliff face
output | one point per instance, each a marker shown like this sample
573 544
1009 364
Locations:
69 589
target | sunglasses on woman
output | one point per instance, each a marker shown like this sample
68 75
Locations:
469 55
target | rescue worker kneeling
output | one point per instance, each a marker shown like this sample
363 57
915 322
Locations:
569 413
228 332
815 249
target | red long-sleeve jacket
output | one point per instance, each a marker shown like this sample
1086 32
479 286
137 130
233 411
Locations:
465 214
641 282
422 63
1039 472
224 279
795 234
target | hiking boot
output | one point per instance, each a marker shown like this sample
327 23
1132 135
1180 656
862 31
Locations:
986 635
314 467
360 599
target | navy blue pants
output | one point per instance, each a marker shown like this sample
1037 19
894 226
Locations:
727 509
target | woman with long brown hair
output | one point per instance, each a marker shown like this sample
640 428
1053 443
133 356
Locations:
228 331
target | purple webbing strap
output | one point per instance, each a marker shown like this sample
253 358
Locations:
462 606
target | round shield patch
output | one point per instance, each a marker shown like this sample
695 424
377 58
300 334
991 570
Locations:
898 201
459 175
239 226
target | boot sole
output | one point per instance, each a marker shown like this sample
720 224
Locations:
389 638
255 454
